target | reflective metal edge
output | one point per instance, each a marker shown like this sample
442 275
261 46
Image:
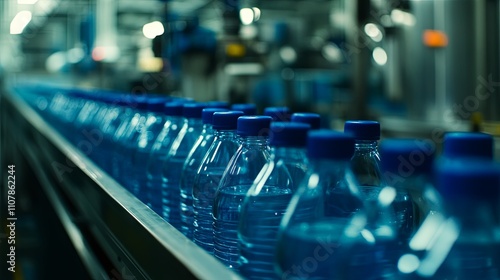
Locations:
200 264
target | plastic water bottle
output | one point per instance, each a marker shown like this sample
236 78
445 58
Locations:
248 109
70 111
237 179
465 246
396 216
132 135
268 198
174 162
366 159
407 169
111 123
115 140
319 213
313 119
125 138
105 124
83 121
278 114
365 162
159 152
209 174
460 145
90 105
191 166
155 121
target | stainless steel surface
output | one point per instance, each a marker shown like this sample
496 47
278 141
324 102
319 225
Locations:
442 83
139 243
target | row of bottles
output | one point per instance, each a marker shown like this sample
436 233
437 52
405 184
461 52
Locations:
273 196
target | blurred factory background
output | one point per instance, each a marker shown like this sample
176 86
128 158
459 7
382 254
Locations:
413 65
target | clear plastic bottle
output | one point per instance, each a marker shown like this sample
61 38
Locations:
320 211
159 152
237 179
126 136
313 119
407 169
365 162
394 222
105 123
131 136
129 108
210 173
155 121
109 126
278 114
90 106
268 198
174 161
248 109
70 112
366 159
191 166
465 246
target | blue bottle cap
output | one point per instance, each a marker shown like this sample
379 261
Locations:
254 125
288 134
329 144
476 178
247 108
314 120
468 144
363 130
208 113
217 104
173 109
406 157
226 120
279 114
156 105
193 110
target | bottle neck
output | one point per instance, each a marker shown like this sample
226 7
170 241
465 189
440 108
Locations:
225 134
366 145
259 142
